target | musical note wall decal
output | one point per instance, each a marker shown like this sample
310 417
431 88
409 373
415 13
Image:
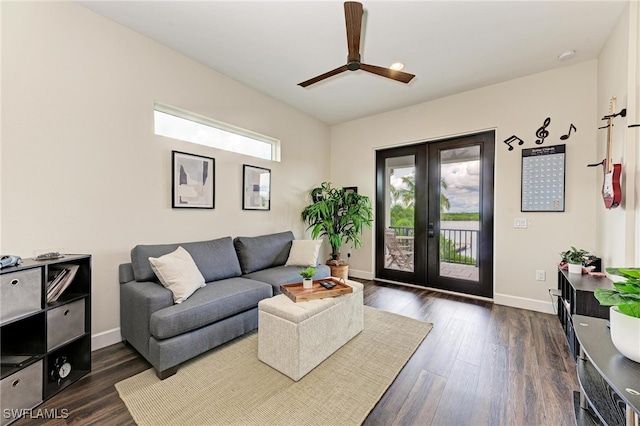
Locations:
542 132
512 139
565 137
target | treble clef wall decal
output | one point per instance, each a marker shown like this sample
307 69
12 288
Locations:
542 132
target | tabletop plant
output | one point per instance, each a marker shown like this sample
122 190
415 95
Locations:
340 215
625 294
308 273
574 256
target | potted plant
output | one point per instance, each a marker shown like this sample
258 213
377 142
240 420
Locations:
624 314
341 216
307 275
574 258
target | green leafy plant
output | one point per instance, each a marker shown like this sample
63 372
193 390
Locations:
308 273
574 255
338 214
625 295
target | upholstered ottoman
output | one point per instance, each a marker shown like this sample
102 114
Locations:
294 338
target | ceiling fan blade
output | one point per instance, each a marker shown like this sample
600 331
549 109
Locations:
401 76
323 76
353 21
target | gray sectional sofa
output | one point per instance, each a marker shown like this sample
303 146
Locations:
239 273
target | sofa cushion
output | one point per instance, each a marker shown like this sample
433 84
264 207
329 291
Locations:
178 272
304 253
216 259
285 275
215 302
265 251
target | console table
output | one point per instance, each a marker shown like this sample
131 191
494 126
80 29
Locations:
609 382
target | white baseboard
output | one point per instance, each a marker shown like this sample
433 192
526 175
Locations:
524 303
363 275
106 338
500 299
111 337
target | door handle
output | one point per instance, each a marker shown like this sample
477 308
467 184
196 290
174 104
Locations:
430 233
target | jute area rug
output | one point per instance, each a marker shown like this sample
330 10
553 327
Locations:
230 386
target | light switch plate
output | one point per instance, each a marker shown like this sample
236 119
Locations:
520 222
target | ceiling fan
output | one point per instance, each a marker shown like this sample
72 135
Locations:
353 20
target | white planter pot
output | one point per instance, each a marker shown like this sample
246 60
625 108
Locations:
575 268
625 333
307 283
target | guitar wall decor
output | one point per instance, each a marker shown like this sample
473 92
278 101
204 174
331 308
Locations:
611 192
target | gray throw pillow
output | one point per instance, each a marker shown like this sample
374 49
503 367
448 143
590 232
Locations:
265 251
216 259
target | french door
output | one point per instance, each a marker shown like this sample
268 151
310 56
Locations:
434 214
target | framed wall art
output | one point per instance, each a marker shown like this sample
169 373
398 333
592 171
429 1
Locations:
543 179
256 188
193 181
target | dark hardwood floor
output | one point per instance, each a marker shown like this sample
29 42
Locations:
482 364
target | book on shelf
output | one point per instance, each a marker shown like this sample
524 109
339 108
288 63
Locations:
59 281
55 275
9 360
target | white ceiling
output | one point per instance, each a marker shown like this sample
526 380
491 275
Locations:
451 46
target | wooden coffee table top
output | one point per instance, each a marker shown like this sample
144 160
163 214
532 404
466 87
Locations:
297 293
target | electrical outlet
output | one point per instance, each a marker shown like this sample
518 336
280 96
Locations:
541 275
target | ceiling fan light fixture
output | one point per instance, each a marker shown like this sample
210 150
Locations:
353 12
566 55
397 66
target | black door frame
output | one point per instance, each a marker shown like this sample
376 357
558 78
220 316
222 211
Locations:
484 286
427 273
420 221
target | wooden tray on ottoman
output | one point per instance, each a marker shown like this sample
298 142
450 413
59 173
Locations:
297 293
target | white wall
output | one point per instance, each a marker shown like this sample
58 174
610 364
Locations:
612 80
567 95
633 114
81 167
618 69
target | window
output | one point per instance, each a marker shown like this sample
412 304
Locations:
188 126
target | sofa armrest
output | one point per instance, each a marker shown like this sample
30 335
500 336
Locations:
125 273
138 301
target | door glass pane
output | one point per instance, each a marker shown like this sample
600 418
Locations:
459 212
399 213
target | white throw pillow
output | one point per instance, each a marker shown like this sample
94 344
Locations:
304 253
178 272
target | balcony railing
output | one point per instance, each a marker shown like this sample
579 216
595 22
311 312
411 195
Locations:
456 245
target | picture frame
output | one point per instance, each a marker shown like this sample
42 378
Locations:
352 189
543 179
193 181
256 188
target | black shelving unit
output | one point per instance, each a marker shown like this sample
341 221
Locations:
609 382
576 298
35 336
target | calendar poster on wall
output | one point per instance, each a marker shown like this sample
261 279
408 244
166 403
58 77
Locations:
543 179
